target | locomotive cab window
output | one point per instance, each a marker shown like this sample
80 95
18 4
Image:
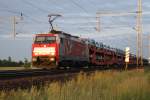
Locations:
61 40
45 39
51 39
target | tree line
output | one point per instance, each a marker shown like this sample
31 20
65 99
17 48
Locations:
9 63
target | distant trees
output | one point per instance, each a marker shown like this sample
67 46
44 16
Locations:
9 63
26 63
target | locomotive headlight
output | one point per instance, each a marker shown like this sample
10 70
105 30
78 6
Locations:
52 59
35 53
52 53
34 59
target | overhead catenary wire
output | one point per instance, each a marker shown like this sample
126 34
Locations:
58 6
33 5
78 5
37 21
31 18
24 15
82 8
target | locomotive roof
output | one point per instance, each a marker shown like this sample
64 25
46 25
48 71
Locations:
63 33
54 32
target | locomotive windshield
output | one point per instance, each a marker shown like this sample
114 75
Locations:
45 39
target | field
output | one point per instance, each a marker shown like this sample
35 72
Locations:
11 68
108 85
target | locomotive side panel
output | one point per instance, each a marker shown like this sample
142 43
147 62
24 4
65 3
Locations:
73 51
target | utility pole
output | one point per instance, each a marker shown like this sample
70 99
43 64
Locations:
13 20
98 22
14 27
139 51
139 47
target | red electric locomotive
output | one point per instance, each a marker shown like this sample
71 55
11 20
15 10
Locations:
59 49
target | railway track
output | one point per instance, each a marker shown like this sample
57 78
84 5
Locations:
13 74
27 78
5 75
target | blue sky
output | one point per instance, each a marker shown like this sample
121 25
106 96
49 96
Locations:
78 18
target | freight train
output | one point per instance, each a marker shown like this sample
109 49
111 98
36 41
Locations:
58 49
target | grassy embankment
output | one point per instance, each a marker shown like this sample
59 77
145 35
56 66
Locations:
109 85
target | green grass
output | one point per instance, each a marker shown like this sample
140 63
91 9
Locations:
11 68
109 85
